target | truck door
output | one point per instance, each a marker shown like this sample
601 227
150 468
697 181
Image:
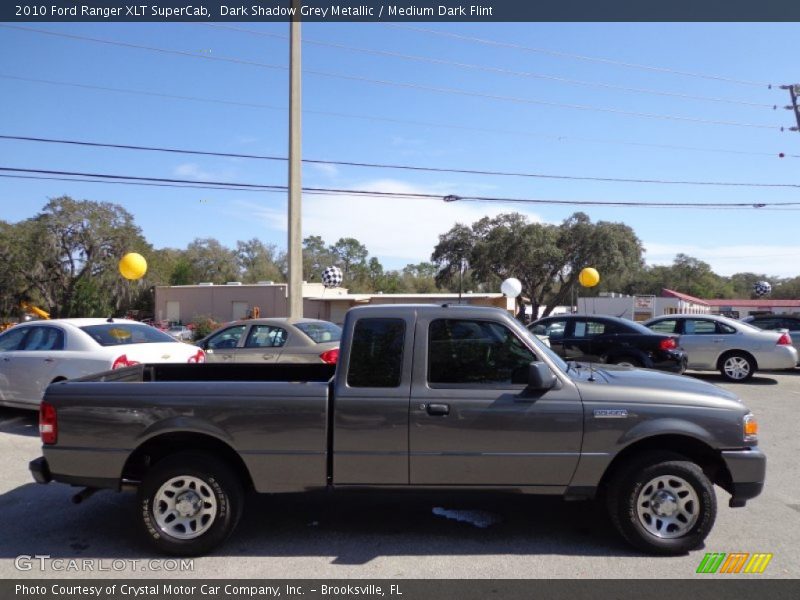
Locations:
468 423
370 436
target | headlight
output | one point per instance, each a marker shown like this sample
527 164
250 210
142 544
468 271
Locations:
750 428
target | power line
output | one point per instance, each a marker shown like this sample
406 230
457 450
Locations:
412 86
427 124
235 186
499 70
400 167
583 57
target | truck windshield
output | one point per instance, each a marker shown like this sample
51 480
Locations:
541 348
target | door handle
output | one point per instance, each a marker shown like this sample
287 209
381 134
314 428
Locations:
438 409
49 360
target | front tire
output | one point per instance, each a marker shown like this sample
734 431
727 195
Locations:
662 504
189 503
737 367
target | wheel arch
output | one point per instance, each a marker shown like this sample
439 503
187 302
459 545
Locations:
163 445
693 449
733 351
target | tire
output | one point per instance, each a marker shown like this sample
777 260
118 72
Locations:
626 361
736 367
662 504
189 503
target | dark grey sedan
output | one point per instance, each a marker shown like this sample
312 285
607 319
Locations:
274 340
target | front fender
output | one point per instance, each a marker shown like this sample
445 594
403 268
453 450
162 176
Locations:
665 426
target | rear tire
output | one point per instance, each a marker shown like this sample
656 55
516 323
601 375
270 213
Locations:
662 504
736 367
189 503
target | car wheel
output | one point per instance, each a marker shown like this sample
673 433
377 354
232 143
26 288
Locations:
737 366
627 362
662 504
189 503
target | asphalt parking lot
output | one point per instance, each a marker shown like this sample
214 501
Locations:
398 535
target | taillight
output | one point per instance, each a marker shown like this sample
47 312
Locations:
330 357
199 357
123 361
785 340
668 344
48 423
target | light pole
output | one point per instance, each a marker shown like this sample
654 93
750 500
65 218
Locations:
295 249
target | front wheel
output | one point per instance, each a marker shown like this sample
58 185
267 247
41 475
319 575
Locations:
189 503
737 367
662 506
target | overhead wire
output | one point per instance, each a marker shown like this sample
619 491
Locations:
497 70
427 124
236 186
373 165
583 57
409 85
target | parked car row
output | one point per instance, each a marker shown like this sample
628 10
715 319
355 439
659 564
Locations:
736 349
35 354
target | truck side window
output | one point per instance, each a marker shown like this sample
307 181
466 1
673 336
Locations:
475 352
376 354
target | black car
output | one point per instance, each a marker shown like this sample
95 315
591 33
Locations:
610 340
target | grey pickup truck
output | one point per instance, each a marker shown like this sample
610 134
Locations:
423 397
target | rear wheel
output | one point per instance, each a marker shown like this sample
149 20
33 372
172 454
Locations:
662 504
737 366
189 503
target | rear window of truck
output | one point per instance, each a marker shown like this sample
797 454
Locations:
376 354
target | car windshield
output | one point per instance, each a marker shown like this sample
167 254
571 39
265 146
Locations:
118 334
321 332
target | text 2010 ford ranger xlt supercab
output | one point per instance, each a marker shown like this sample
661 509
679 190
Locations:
422 397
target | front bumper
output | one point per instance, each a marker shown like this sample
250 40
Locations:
748 470
40 470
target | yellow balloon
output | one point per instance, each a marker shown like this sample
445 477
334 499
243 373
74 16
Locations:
589 277
132 266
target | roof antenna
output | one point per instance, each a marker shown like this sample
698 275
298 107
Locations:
110 319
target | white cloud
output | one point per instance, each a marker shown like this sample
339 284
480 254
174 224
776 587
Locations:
778 261
193 171
396 230
325 169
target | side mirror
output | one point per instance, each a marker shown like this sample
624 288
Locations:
540 379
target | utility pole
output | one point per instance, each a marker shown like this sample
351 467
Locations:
794 92
295 249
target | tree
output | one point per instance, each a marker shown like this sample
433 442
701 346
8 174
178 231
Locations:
258 261
210 261
349 254
545 258
316 257
65 258
452 254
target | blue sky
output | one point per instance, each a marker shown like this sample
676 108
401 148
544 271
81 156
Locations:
351 120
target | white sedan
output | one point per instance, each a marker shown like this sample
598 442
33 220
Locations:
34 355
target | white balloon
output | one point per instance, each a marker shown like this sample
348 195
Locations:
511 287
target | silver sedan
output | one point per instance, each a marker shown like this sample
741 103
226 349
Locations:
735 349
274 340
